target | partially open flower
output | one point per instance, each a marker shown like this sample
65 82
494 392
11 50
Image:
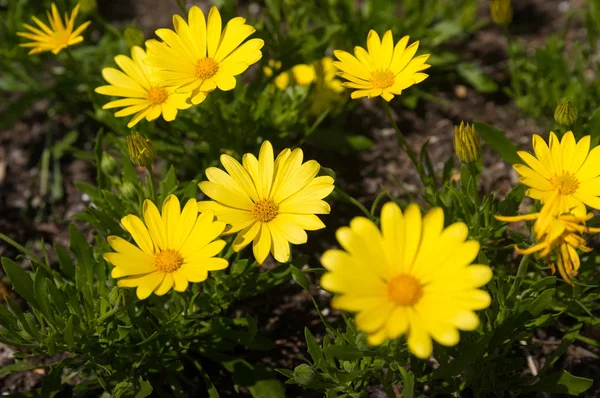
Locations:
466 143
140 150
557 239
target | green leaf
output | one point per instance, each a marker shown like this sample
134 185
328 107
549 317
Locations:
26 320
84 272
40 284
300 278
168 184
18 366
20 280
314 350
346 353
145 389
359 142
64 261
51 383
476 78
408 383
68 332
562 383
542 302
497 141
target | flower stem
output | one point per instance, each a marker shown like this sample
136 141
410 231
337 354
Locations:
521 271
152 183
355 202
403 143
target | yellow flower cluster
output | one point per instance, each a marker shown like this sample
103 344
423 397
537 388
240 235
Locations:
268 201
182 68
564 178
410 277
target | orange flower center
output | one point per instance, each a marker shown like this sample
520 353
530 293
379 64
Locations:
404 290
565 184
157 95
265 210
382 78
168 260
206 68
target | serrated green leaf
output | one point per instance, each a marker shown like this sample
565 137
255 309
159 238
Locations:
314 350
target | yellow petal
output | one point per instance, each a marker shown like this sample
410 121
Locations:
138 231
262 244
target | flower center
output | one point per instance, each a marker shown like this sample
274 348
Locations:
157 95
168 260
405 290
382 78
60 38
206 68
565 184
265 210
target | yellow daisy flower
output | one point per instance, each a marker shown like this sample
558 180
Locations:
56 37
172 250
411 278
199 57
145 96
382 69
268 202
558 237
567 173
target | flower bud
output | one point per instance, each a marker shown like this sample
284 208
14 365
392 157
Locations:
134 36
565 113
108 164
128 190
466 143
140 150
501 11
124 389
87 5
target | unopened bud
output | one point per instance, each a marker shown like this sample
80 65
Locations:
140 150
87 5
501 11
108 164
565 113
134 36
128 190
124 389
466 143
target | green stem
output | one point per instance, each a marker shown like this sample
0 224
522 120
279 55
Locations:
181 4
403 143
152 183
355 202
23 249
521 271
475 180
